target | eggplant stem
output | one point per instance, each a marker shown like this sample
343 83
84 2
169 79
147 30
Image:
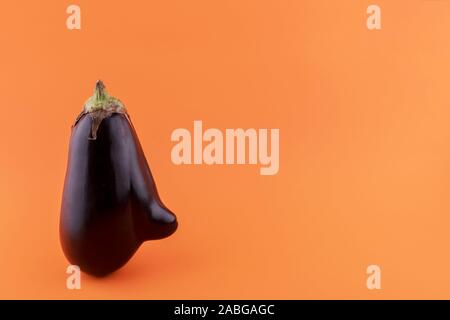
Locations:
101 100
101 106
100 92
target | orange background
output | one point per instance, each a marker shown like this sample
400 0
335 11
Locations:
364 144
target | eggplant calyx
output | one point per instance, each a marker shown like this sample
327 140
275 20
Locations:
101 106
101 100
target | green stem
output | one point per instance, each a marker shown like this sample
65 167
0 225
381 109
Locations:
101 100
100 92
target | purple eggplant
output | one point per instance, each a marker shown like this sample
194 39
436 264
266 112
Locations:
110 204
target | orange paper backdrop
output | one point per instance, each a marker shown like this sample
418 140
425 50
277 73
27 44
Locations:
364 144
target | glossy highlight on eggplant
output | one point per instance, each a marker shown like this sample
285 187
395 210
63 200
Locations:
110 204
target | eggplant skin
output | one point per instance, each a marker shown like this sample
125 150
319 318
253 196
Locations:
110 204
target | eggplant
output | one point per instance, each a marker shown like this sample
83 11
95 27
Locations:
110 204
